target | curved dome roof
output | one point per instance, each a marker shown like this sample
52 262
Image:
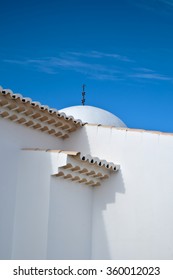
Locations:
93 115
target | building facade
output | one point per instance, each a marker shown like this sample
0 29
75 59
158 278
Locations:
70 189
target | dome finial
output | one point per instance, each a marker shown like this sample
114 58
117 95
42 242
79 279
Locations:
83 95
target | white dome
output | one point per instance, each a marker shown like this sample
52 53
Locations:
93 115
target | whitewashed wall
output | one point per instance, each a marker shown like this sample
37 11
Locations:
53 216
128 217
70 221
14 137
132 212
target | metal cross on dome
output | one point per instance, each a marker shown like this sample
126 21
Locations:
83 95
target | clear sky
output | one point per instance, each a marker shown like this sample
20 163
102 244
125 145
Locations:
121 49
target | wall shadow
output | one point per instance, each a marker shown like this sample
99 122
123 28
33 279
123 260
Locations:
90 141
69 227
78 141
109 189
104 196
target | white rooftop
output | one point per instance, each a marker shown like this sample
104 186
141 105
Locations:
93 115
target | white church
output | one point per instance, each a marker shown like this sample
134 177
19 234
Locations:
77 184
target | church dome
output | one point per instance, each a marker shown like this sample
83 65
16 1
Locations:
93 115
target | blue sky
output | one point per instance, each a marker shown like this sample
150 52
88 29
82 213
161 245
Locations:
122 50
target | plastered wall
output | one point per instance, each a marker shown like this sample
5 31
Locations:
13 138
128 217
132 212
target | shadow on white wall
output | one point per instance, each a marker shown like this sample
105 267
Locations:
104 196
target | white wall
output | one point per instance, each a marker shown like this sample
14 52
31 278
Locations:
70 220
132 212
52 216
128 217
14 137
32 206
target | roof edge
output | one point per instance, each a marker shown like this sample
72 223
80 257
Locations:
130 129
22 110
